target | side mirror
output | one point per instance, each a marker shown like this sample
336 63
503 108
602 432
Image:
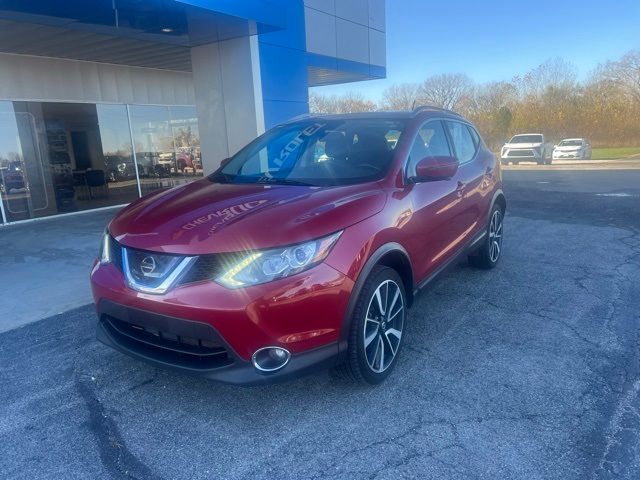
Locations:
224 162
431 169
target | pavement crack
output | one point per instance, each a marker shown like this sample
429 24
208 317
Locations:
119 462
618 444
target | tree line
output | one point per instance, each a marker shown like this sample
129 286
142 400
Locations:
549 99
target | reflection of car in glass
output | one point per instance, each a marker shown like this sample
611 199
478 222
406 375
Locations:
167 160
303 250
119 168
150 165
12 178
572 148
186 161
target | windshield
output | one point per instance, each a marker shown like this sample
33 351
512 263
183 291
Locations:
319 152
526 139
570 143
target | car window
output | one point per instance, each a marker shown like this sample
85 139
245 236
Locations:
321 152
431 141
526 139
463 143
570 143
475 136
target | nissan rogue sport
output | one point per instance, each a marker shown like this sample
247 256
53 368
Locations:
303 250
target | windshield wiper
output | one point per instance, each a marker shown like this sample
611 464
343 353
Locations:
284 181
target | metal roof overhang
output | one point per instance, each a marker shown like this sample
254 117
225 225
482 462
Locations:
147 33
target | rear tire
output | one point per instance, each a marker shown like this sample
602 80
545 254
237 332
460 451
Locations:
489 253
377 326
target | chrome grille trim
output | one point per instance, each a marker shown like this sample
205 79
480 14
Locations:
166 284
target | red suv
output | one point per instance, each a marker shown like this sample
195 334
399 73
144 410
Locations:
303 250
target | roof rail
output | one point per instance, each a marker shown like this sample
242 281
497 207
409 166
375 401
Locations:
421 108
302 116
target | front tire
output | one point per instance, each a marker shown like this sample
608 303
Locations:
377 325
489 253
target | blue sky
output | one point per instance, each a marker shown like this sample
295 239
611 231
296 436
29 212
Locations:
497 39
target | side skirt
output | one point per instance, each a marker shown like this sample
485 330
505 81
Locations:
462 252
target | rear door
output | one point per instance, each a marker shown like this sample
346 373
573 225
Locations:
471 175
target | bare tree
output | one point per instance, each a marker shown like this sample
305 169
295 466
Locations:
554 74
403 96
447 90
625 73
347 103
354 102
492 96
322 103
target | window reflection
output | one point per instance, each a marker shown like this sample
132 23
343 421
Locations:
117 153
167 145
66 157
23 188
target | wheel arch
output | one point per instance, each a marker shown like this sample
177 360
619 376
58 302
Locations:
392 255
500 199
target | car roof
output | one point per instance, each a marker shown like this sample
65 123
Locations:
571 139
423 112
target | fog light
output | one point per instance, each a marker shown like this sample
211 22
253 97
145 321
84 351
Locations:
270 359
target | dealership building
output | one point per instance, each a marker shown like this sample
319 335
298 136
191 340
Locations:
102 101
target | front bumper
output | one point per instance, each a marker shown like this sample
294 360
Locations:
568 155
218 362
523 155
302 313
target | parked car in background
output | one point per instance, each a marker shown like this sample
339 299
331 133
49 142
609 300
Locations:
303 250
12 177
572 148
119 168
528 147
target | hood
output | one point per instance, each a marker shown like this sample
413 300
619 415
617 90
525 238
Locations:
569 148
522 145
204 217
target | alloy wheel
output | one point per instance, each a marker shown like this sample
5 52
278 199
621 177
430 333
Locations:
495 236
383 326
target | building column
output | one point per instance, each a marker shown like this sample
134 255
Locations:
228 97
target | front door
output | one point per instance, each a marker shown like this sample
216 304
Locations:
431 229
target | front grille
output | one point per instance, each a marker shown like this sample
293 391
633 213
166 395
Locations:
116 254
521 153
206 267
169 347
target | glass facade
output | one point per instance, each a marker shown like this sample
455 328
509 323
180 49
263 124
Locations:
66 157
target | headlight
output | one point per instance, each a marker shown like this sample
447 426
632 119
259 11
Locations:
105 248
253 268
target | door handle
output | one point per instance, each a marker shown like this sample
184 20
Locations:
460 189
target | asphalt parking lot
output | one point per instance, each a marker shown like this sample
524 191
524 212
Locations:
528 371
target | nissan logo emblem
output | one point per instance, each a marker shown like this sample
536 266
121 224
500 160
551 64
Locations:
148 265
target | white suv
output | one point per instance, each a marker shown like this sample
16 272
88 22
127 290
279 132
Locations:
528 147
